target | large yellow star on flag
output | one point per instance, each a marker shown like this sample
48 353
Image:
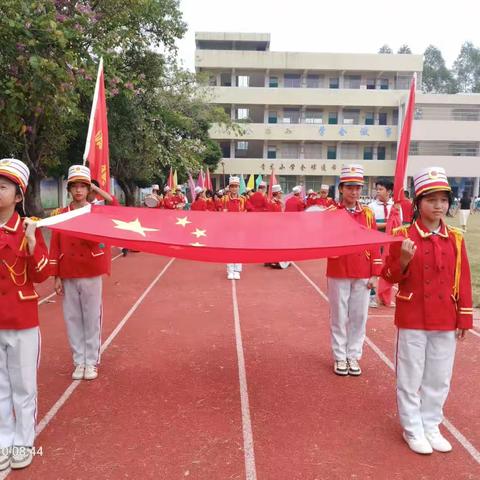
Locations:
133 226
182 221
199 233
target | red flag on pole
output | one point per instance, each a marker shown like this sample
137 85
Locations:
208 180
201 179
273 181
96 147
393 221
170 179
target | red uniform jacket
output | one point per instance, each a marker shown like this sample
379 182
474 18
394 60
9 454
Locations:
170 202
434 292
18 271
259 202
201 204
311 200
211 206
275 206
294 204
407 210
325 202
73 257
233 204
364 264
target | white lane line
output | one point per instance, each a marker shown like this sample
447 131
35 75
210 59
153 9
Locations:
464 442
249 453
46 299
75 384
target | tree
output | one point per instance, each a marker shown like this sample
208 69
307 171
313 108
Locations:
48 60
436 77
467 68
404 49
385 49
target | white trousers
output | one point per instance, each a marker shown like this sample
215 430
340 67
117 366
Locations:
19 360
349 298
82 310
234 267
464 214
424 369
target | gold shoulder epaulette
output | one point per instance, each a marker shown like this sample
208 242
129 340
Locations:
455 230
55 212
402 230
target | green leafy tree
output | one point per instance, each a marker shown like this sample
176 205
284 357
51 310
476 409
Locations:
385 49
404 49
467 68
436 77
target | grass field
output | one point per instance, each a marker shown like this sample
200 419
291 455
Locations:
472 238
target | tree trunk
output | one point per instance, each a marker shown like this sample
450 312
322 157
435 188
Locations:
128 188
33 203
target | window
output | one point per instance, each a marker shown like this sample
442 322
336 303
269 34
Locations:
290 150
313 81
381 153
226 79
371 84
272 152
291 115
312 150
314 116
384 84
243 113
272 117
243 80
368 153
273 82
291 80
333 82
382 118
242 148
332 152
403 82
351 116
350 151
332 118
395 116
212 80
352 81
369 118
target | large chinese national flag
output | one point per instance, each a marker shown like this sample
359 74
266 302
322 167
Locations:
221 237
96 147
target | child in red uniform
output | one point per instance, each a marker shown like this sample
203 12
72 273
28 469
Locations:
23 260
434 306
78 268
200 203
295 203
275 204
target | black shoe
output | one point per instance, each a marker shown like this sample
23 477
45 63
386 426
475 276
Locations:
124 252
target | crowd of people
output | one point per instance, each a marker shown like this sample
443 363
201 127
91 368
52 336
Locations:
430 266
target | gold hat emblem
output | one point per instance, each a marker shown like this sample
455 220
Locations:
353 169
5 163
433 174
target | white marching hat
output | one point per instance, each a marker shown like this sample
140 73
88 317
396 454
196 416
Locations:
297 189
233 181
431 179
155 187
16 171
324 187
352 174
79 173
166 188
198 190
276 188
310 191
262 185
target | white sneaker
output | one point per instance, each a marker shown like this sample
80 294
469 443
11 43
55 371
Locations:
5 456
21 457
438 442
354 368
418 444
340 367
230 276
373 303
91 372
78 372
236 275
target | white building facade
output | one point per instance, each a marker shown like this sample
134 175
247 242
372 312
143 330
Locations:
307 114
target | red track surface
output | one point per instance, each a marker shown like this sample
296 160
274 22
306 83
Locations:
167 402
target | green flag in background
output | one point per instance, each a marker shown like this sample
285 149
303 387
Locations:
258 181
243 187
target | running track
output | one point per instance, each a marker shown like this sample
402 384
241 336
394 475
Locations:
204 378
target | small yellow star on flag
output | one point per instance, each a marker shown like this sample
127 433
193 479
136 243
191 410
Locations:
196 244
199 233
182 221
133 226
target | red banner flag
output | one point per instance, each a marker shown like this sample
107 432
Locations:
201 179
96 147
213 237
170 179
394 220
273 181
208 180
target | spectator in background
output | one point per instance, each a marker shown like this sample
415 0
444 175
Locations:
465 208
